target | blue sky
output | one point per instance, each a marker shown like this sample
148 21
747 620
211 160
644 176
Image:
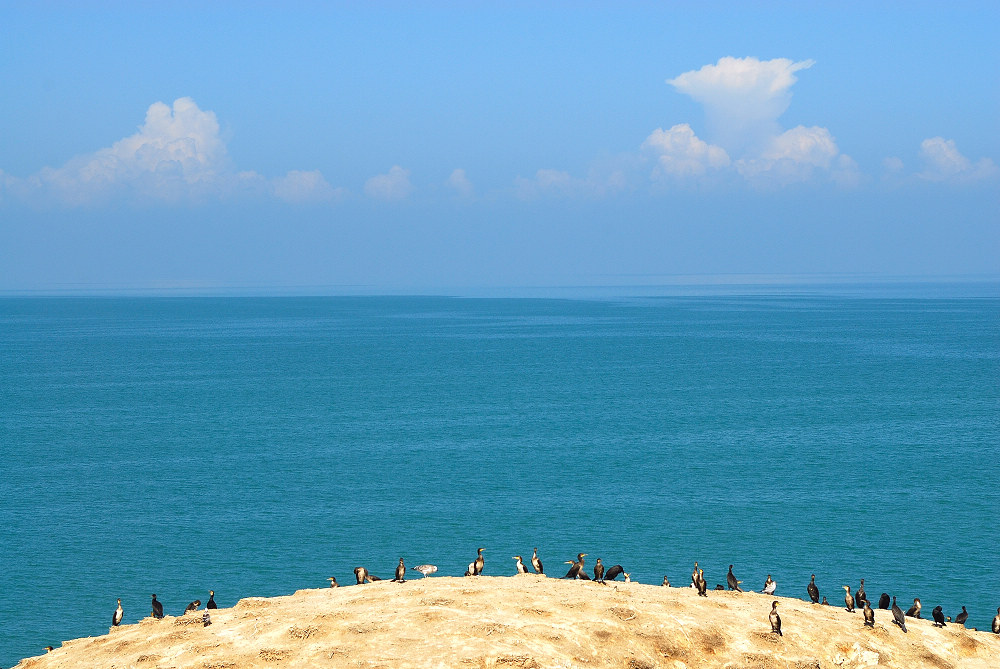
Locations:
375 146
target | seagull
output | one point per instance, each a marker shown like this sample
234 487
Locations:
424 569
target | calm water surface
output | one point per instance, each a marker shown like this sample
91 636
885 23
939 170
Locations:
255 446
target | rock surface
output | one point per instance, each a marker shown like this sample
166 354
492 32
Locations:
523 621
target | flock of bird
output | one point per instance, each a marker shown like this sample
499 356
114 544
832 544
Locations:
852 602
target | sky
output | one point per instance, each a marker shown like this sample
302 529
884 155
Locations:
452 146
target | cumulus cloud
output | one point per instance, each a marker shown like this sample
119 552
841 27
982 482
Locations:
742 97
602 179
680 153
394 185
944 162
460 183
176 155
794 156
301 187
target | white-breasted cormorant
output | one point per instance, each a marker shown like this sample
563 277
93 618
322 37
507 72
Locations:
914 611
211 600
848 598
361 574
775 619
996 623
769 586
333 584
869 614
536 563
521 569
479 563
116 619
576 571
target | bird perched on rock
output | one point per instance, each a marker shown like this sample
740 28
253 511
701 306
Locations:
612 573
157 608
116 619
996 623
813 590
666 582
599 571
848 599
576 570
521 569
333 584
702 584
628 577
869 614
400 572
914 611
361 574
425 569
883 601
478 563
193 606
775 618
962 617
732 582
897 615
536 563
206 619
769 586
859 595
694 576
211 597
938 615
826 603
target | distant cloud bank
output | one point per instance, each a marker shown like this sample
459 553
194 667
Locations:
178 156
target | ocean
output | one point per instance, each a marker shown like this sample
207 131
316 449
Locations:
256 446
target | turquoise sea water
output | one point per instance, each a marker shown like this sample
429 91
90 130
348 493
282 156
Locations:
255 446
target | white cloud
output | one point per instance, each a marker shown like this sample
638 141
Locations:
176 155
394 185
742 97
460 183
602 179
892 164
794 156
679 152
944 162
301 187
